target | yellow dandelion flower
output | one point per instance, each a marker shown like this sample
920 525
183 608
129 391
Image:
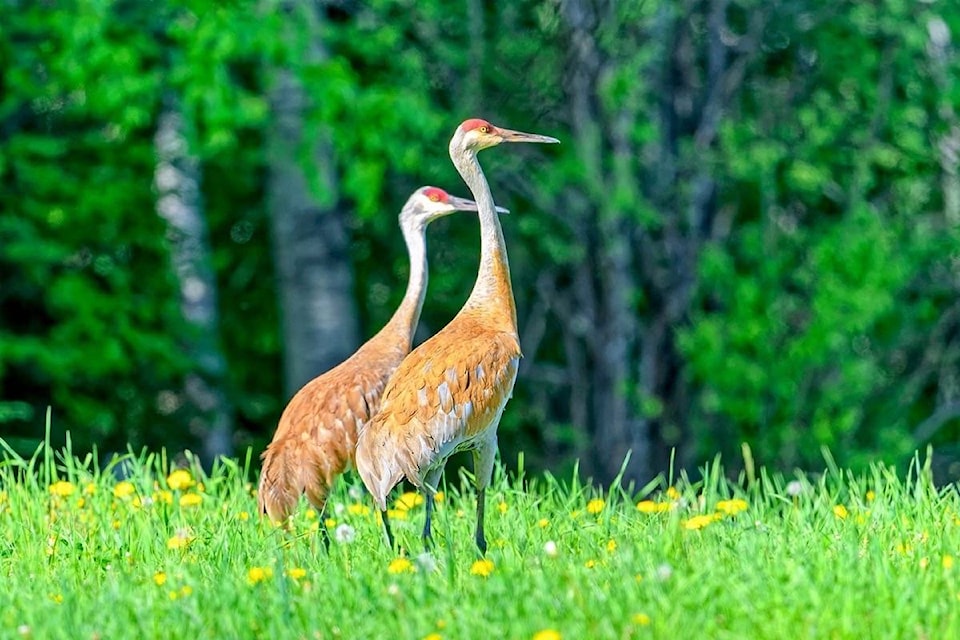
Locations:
439 497
611 545
547 634
840 511
160 578
310 514
871 496
115 524
329 523
699 522
947 562
401 514
190 499
649 506
902 548
185 590
482 568
180 479
3 497
358 509
258 574
243 515
732 507
400 565
174 595
179 540
595 506
641 619
164 496
590 564
672 493
503 507
81 503
90 488
433 636
543 523
124 490
57 597
296 573
408 501
62 488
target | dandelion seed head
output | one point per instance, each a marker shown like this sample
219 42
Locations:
344 533
550 549
426 562
664 572
794 488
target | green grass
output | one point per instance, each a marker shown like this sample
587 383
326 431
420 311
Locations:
88 564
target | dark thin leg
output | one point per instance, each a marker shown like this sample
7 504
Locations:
386 529
427 537
481 501
324 534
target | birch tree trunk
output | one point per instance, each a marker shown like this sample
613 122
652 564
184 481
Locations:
177 181
310 235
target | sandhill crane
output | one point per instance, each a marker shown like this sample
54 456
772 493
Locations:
449 393
317 433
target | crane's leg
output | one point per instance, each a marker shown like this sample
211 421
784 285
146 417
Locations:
317 497
430 485
386 528
483 470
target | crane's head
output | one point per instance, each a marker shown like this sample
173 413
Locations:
426 204
478 134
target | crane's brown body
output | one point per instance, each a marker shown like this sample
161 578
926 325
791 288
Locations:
449 393
317 434
465 375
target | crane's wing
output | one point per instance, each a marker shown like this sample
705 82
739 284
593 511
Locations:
317 434
447 393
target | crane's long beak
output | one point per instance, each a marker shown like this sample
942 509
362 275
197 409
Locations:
509 135
462 204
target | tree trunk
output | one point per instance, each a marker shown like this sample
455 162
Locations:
310 235
614 424
177 181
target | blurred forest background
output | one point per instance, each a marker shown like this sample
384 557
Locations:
751 232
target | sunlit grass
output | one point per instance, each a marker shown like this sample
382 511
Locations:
168 552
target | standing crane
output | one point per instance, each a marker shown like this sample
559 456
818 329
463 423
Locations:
317 433
449 393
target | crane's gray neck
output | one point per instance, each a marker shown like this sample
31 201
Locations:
405 318
493 290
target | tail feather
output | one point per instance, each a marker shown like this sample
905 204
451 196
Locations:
380 472
288 472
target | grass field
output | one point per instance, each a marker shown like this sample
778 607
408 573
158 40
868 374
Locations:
171 553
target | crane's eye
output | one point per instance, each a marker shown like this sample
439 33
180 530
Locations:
484 129
435 197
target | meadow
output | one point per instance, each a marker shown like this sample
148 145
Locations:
171 552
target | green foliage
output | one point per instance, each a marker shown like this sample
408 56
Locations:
177 553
